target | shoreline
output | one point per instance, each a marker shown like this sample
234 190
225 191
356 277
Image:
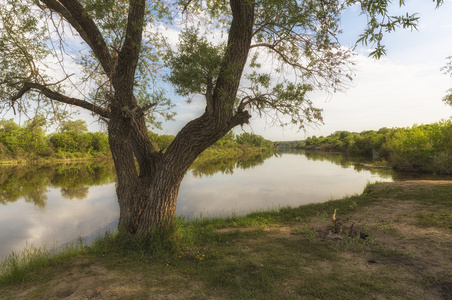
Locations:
52 161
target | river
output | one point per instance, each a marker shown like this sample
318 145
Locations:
54 205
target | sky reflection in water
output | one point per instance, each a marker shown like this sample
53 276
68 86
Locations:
289 180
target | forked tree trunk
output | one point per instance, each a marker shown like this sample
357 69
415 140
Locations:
147 196
146 186
149 181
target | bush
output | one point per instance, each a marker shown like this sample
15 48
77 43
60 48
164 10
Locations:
442 163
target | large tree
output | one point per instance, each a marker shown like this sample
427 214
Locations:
105 56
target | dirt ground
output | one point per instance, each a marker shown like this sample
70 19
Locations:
423 260
421 253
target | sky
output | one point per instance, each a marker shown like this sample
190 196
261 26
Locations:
403 88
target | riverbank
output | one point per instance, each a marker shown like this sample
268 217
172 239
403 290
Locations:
50 161
420 148
211 155
392 241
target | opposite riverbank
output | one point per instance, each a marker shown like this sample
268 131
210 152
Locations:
213 154
392 241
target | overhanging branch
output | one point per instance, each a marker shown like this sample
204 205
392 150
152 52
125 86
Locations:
44 90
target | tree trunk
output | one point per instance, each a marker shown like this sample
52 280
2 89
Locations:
149 181
148 185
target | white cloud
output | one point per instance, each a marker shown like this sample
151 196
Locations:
61 221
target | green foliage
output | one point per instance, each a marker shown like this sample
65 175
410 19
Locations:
27 141
424 148
253 140
162 141
32 43
195 65
31 142
448 97
228 140
99 142
381 22
298 37
22 43
78 126
448 70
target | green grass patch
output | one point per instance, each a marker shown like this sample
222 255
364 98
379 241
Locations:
434 219
428 194
25 266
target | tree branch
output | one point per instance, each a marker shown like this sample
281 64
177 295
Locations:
240 118
73 12
43 89
238 46
282 55
130 52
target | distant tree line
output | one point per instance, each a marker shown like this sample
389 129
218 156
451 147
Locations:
230 140
420 148
72 140
30 141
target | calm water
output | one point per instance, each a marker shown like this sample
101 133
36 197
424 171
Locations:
55 205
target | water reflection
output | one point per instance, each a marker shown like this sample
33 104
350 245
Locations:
362 163
291 178
227 166
38 204
358 163
32 183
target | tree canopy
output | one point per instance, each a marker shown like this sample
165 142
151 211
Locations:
78 126
55 50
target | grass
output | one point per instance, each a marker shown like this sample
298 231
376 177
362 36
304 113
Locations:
435 219
27 265
251 257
